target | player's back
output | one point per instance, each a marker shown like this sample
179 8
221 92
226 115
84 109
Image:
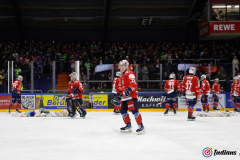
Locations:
205 87
171 86
191 86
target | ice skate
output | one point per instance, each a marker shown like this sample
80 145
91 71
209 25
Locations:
17 110
174 111
140 129
191 118
166 112
116 111
9 110
127 128
72 115
236 110
83 114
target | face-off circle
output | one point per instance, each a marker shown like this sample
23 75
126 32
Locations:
207 152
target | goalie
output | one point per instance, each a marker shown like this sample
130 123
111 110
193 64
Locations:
74 97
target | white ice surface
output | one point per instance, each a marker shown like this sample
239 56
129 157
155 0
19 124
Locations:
97 137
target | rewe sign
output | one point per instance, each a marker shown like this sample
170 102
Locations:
224 27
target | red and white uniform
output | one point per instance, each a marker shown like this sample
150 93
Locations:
216 88
205 87
128 79
181 86
235 89
73 85
116 86
171 86
191 87
17 85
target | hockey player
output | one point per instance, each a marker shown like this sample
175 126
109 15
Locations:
216 88
182 91
235 94
205 90
172 89
16 93
129 98
74 97
116 91
192 91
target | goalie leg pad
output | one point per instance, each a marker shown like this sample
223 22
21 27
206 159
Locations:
69 105
78 106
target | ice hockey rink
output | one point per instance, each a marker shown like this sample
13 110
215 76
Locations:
98 137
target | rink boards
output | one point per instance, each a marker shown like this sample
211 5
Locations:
148 101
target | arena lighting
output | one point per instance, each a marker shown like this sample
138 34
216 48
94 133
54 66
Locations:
237 6
221 6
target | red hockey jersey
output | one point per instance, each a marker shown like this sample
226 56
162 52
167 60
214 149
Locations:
216 88
191 87
171 86
205 87
128 79
234 89
73 85
17 85
181 88
116 86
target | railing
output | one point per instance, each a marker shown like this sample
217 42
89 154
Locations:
48 81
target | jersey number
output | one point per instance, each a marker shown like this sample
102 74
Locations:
188 85
171 85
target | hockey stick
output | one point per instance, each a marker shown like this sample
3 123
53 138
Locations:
223 107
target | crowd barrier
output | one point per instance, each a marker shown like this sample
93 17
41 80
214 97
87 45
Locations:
93 101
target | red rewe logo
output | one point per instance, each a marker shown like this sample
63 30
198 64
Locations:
224 27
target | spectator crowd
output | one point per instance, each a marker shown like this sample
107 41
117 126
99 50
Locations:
220 55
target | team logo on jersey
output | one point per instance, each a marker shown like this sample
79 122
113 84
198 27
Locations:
207 152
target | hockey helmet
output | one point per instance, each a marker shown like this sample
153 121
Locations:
192 70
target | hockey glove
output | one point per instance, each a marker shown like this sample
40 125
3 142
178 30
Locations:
214 95
76 90
128 91
116 102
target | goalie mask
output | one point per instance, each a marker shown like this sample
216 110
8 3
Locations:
123 65
216 80
20 78
74 75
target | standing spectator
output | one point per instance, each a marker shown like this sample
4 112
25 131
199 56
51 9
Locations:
145 76
1 82
235 62
165 76
222 71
